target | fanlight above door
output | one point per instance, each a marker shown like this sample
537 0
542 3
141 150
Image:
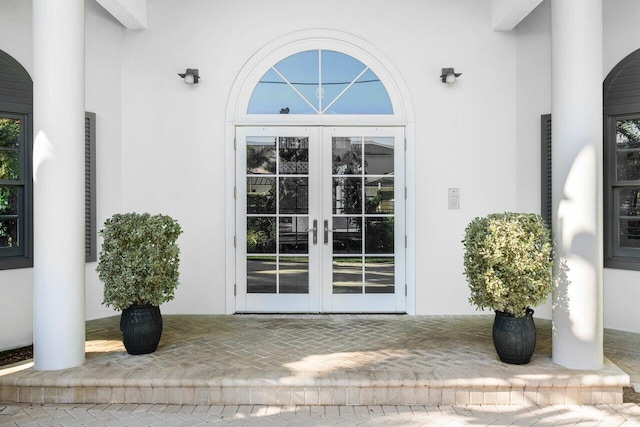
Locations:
320 82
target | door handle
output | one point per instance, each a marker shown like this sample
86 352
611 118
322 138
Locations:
315 231
326 231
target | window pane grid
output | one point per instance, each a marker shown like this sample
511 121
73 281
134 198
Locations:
625 184
360 166
12 185
282 201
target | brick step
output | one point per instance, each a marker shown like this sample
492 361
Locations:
253 387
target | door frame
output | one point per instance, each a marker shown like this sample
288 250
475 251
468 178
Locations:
321 298
275 302
236 116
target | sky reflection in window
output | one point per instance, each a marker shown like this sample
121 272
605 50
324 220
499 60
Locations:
319 82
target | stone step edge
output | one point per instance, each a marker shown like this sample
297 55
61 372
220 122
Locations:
610 376
299 395
584 381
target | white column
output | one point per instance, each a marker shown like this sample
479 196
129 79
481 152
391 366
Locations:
58 173
577 182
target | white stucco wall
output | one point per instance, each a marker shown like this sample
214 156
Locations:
103 88
161 143
174 135
533 86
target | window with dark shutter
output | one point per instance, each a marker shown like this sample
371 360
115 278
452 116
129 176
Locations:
16 183
621 98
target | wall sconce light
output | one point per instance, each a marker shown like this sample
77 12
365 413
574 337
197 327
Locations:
190 76
449 75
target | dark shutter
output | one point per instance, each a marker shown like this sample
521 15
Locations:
546 208
90 233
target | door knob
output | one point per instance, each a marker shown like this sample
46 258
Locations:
326 231
315 231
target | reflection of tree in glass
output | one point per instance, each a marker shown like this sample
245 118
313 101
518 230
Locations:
6 234
379 236
294 155
351 194
261 158
9 140
9 165
262 202
294 195
8 201
293 149
628 138
10 170
261 235
373 204
9 133
628 133
348 163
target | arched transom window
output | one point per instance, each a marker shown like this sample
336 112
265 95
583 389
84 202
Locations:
320 82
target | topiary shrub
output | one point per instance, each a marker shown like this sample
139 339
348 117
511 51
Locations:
507 262
139 259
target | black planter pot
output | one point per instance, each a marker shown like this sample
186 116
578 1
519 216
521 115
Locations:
514 338
141 328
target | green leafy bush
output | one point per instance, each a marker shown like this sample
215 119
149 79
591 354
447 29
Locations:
507 261
139 259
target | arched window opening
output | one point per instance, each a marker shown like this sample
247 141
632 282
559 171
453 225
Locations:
622 164
320 82
16 107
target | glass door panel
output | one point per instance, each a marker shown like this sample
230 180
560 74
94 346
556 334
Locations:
273 220
361 165
320 226
365 247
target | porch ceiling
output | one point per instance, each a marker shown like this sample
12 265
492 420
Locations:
505 14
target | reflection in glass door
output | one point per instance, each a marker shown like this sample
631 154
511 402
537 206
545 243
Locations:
277 215
364 220
318 227
363 197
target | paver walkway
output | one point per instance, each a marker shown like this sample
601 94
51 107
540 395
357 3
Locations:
417 415
315 360
325 344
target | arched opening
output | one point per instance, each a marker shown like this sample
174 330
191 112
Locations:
621 107
16 129
320 130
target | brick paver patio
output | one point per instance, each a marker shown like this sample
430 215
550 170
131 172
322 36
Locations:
322 360
245 415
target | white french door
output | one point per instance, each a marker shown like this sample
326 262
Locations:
320 219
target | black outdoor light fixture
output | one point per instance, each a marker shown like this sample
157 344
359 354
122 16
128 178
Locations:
449 75
190 76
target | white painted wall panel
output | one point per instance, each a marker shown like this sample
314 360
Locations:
161 143
533 100
103 88
174 134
